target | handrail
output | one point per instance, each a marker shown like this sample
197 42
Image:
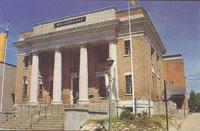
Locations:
39 116
73 102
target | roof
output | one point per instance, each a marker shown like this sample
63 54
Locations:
71 16
8 64
174 91
170 56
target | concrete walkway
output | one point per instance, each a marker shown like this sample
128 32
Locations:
191 123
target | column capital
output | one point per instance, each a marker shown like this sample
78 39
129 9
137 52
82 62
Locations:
57 49
112 41
35 53
84 46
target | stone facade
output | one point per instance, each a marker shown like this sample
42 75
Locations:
9 85
71 59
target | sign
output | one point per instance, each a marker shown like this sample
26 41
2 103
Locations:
169 82
70 22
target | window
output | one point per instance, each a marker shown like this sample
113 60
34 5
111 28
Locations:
128 84
152 53
25 91
26 61
51 90
40 93
102 87
127 47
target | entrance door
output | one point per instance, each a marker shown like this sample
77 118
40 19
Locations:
75 89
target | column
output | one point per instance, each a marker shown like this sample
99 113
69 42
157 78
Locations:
114 71
57 78
34 80
83 76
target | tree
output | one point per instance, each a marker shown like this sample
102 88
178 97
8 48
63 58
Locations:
194 102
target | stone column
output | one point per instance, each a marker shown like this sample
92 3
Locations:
34 80
114 71
57 78
83 76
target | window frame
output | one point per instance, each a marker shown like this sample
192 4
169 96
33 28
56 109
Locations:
127 48
128 84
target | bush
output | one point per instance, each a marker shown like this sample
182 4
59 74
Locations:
126 114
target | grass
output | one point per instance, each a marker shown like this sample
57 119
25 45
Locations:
156 121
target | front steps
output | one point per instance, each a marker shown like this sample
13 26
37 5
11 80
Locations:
35 118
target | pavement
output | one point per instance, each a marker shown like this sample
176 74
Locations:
191 123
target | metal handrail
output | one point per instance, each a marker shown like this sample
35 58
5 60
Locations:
73 102
39 116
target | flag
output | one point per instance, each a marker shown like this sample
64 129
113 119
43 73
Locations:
133 2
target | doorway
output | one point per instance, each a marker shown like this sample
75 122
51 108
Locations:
75 90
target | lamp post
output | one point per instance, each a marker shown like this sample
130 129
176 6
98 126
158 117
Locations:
24 78
110 62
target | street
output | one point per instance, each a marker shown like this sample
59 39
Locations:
191 123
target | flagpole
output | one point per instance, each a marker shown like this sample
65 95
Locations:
132 73
4 67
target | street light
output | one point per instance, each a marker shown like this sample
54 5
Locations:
110 62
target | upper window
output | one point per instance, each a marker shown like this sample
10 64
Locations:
128 84
127 47
26 61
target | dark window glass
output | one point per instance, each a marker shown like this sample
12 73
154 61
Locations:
127 47
128 84
26 61
102 87
25 91
51 90
130 109
41 88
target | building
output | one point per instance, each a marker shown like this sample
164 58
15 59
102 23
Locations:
173 67
9 86
63 61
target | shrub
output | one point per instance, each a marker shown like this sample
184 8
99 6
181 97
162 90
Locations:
126 114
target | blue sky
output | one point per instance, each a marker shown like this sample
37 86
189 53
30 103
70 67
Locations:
178 24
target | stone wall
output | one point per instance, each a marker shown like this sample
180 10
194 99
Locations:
159 108
75 118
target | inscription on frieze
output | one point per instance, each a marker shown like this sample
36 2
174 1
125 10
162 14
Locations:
70 22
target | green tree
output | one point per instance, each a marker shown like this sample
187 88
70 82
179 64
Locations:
198 95
193 101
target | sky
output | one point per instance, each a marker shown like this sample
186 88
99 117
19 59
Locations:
177 23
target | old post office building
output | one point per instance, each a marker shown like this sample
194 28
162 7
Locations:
63 61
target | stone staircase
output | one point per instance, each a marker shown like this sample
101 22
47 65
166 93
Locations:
34 118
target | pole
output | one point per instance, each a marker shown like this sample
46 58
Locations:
166 105
2 86
132 73
110 104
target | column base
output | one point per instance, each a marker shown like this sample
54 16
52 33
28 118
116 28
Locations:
83 101
33 103
57 102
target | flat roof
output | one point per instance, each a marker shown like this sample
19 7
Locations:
171 56
8 64
76 15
